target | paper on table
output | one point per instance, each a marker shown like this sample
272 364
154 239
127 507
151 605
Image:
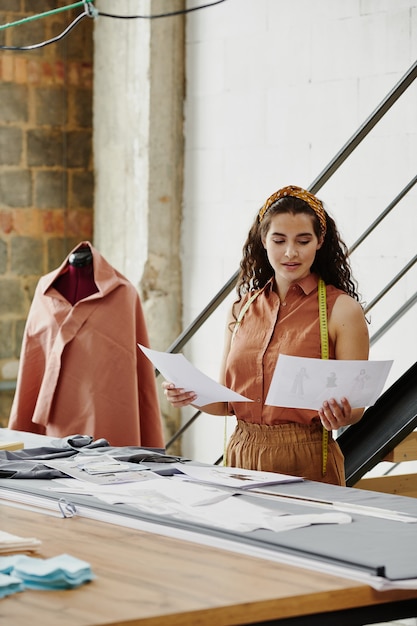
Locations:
100 469
176 368
234 476
305 383
14 543
210 506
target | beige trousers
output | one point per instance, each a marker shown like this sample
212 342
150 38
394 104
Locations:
294 449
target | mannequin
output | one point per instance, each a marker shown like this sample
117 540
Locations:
80 369
77 282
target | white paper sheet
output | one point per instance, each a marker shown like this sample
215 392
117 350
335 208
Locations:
235 477
101 469
305 383
205 504
176 369
14 543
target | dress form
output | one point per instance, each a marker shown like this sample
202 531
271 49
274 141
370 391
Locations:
84 316
77 282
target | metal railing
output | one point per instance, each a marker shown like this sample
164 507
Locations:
373 119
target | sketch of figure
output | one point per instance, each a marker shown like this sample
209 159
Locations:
359 382
298 384
331 380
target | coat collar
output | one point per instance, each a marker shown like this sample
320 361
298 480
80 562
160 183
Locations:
106 277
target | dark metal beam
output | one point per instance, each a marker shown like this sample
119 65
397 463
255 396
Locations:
383 426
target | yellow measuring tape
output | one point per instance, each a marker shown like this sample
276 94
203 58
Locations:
324 341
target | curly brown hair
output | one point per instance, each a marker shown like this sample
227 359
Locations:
331 261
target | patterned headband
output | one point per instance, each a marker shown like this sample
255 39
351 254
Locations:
302 194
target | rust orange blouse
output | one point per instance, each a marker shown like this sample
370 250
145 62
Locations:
269 328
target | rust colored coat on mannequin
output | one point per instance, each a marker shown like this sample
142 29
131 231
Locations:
81 371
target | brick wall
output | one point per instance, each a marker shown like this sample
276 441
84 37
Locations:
46 167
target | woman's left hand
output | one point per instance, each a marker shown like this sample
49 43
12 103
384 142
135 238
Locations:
334 415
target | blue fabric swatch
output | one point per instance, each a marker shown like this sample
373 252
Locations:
59 572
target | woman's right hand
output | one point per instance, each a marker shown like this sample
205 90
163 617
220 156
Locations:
177 396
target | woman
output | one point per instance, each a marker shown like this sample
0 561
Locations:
292 243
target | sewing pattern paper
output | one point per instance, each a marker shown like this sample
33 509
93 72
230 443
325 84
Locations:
305 383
